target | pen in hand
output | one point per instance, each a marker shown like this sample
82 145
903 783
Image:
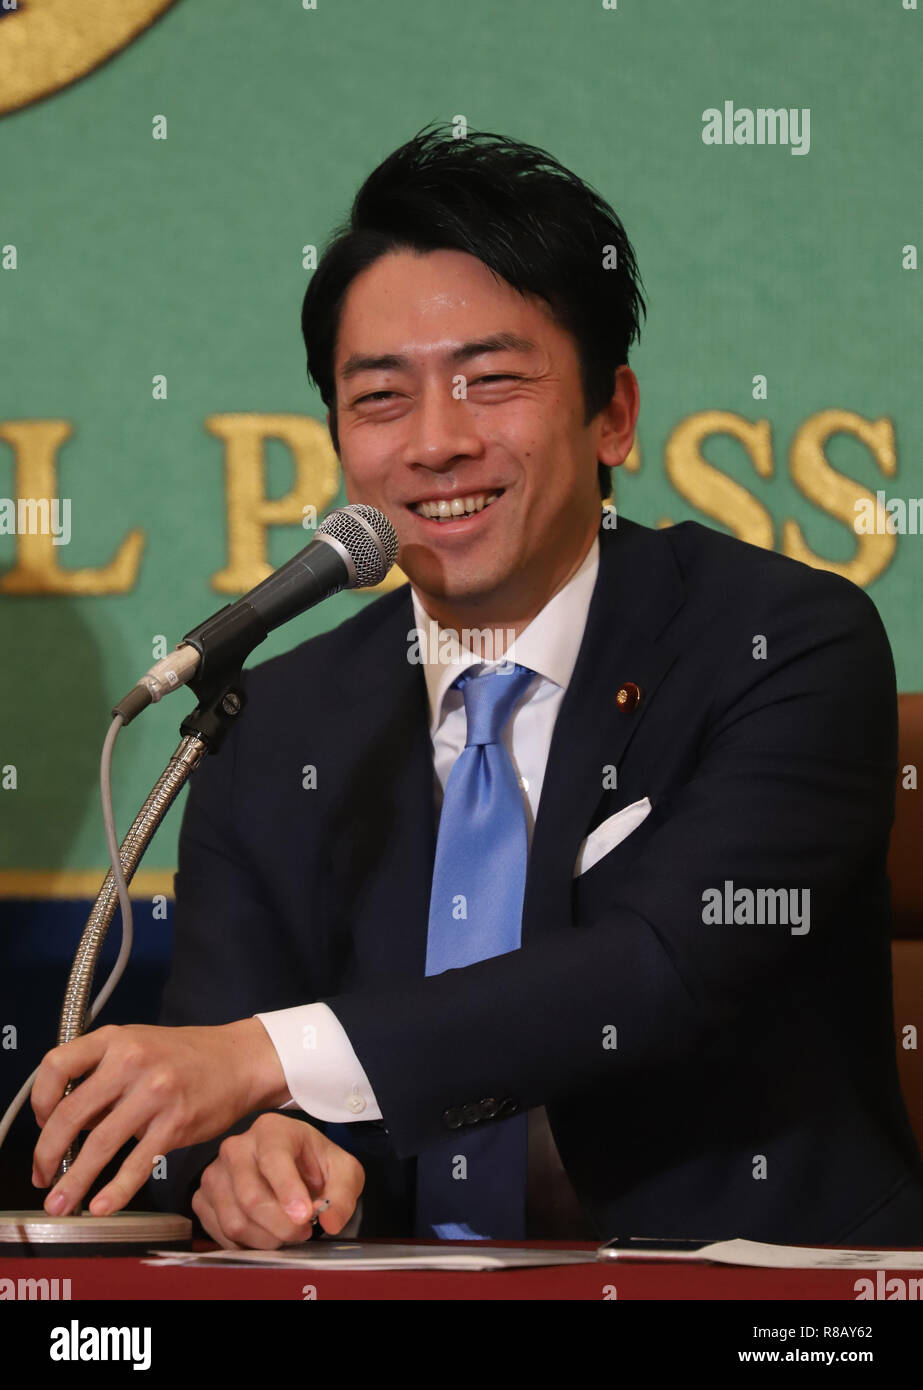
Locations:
319 1206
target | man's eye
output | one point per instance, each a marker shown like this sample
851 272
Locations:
493 376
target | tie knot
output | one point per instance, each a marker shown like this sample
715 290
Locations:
489 700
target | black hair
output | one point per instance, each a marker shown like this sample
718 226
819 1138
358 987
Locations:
513 206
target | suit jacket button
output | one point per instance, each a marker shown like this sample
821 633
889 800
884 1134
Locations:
471 1113
451 1119
628 697
508 1106
488 1108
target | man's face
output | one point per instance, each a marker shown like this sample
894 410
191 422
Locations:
451 416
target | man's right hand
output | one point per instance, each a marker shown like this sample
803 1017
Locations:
259 1192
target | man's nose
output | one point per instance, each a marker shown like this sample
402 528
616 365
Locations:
441 429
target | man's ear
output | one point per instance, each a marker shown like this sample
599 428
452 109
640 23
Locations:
618 418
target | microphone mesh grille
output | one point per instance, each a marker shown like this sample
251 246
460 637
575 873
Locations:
368 536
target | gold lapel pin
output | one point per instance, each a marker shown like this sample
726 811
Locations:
628 697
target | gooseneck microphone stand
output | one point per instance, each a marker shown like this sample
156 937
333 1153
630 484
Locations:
354 547
221 700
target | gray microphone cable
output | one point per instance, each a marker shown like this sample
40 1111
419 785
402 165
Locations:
105 788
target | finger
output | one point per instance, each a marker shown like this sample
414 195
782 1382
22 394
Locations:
126 1121
235 1222
258 1201
42 1177
95 1096
133 1174
345 1181
65 1063
209 1220
294 1184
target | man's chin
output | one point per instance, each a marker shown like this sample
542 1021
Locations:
436 582
449 576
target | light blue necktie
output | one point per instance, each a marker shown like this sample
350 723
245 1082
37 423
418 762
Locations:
475 912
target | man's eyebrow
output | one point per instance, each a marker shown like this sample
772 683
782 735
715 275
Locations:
494 342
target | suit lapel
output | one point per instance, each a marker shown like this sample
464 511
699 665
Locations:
627 639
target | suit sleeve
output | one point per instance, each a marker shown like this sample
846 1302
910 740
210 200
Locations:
792 789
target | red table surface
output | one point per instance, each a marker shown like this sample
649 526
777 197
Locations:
112 1277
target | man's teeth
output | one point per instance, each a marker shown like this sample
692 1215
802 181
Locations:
444 510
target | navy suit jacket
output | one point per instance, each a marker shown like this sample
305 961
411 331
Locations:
752 1087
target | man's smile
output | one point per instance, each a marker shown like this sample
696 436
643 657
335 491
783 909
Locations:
462 512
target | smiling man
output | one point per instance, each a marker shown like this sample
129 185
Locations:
474 958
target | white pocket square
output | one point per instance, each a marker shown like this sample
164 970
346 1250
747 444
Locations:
611 833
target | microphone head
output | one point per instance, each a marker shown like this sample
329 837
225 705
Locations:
368 537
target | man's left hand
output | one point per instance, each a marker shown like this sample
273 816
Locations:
165 1087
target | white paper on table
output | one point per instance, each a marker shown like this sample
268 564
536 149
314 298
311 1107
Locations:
764 1256
362 1256
366 1256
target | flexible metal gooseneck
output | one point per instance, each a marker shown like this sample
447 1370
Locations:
74 1019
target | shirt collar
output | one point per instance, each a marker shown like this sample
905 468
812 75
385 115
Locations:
549 645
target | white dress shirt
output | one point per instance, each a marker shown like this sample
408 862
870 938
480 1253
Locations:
321 1069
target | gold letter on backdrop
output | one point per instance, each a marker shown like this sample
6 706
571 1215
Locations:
250 511
712 491
837 495
50 43
36 444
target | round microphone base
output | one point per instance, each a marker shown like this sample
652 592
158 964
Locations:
36 1233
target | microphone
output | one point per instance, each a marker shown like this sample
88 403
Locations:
354 547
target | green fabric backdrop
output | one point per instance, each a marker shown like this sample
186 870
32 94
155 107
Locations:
137 256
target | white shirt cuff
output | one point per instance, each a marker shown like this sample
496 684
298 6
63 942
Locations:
321 1069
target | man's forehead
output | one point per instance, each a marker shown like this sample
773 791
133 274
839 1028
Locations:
463 297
